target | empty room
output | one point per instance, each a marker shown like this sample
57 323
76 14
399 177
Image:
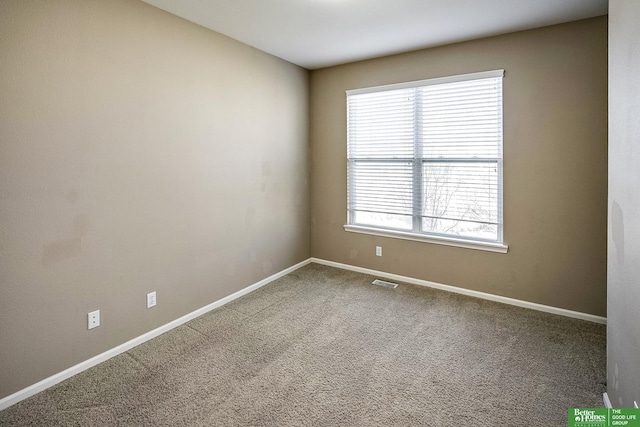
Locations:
319 212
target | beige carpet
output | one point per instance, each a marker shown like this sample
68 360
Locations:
324 347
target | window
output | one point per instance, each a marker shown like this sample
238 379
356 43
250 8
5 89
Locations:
425 160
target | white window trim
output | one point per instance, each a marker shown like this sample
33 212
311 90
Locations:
447 241
427 82
419 237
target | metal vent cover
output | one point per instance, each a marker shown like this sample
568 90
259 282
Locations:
385 284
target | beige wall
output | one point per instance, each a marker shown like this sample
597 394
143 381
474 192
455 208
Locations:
555 167
623 298
138 153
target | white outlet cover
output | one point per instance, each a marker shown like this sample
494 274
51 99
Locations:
151 299
378 250
93 319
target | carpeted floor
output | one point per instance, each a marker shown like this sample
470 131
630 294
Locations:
324 347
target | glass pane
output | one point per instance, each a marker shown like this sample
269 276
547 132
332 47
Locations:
381 124
462 119
381 187
382 220
463 229
461 199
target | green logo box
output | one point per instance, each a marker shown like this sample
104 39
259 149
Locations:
603 417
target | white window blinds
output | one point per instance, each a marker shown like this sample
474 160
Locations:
426 157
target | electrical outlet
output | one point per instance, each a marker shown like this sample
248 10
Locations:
378 250
94 319
151 299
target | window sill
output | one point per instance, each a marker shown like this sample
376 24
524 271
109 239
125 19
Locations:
460 243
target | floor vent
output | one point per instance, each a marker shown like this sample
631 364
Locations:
385 284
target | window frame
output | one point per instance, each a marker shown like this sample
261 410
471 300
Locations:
418 161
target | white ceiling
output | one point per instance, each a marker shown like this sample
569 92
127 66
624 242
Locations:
321 33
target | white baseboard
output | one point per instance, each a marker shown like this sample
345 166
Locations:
607 402
82 366
477 294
